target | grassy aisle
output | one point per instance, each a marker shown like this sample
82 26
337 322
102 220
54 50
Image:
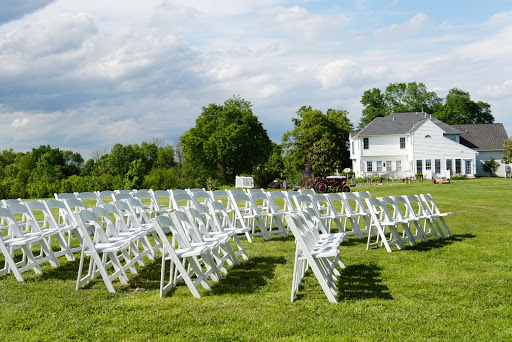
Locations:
456 289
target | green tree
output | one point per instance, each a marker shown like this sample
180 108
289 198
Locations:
310 126
324 157
507 151
398 97
227 140
460 109
491 166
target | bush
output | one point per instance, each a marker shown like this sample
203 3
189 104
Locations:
459 177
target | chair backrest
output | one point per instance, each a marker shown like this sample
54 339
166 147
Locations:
181 200
307 192
222 196
104 195
13 231
417 205
145 196
40 207
27 220
121 196
118 221
65 215
303 201
64 195
89 195
201 196
430 204
162 199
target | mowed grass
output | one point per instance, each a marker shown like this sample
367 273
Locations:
454 289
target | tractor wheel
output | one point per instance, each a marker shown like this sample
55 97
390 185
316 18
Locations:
321 186
345 188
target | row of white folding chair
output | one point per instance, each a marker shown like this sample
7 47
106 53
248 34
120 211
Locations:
125 237
321 255
351 210
208 251
106 247
405 215
24 235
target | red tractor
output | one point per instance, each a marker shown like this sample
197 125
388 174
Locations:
335 183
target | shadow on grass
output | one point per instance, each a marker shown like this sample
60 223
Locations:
362 282
432 244
68 270
248 276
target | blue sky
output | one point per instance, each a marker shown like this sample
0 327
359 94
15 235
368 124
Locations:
84 75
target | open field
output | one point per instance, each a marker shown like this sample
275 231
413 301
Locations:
455 289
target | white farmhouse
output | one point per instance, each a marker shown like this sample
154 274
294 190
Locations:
404 144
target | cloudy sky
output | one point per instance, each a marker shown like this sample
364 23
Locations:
84 75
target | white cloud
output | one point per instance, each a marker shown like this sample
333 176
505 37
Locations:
399 31
298 22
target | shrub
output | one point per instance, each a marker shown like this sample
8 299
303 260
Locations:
459 177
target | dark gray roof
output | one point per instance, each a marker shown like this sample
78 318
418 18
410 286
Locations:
482 137
401 123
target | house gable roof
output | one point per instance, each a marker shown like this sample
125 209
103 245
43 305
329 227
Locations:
401 123
482 137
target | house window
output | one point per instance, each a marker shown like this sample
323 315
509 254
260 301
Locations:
438 165
457 166
366 143
388 166
449 165
398 165
427 136
402 142
369 166
419 166
428 164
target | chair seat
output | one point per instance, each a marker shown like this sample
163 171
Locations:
107 247
19 241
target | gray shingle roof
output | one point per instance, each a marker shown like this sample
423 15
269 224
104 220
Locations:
482 137
401 123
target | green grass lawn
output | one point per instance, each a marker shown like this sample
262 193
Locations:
454 289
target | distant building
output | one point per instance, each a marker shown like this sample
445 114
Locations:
404 144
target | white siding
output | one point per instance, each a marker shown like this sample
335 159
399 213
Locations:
429 143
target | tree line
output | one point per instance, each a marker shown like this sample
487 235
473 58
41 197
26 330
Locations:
227 140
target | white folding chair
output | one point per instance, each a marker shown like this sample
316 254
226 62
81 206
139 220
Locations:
436 214
247 214
14 240
223 222
184 260
195 237
30 227
103 252
271 215
418 209
322 259
355 210
49 224
383 223
162 201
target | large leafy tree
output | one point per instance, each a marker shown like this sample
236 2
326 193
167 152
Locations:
460 109
507 151
330 132
227 140
398 97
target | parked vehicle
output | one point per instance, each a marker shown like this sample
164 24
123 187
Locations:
334 183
